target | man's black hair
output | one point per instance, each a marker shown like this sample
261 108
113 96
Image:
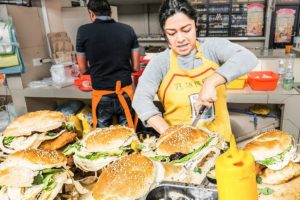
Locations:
99 7
170 7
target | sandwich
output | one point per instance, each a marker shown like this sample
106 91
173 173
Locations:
101 147
273 149
45 129
279 184
277 173
285 191
129 178
33 174
193 148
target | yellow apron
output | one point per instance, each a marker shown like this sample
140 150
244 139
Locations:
179 85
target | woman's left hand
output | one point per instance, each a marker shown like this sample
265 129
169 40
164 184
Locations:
207 96
208 93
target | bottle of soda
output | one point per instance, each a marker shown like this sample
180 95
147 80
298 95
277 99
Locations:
288 81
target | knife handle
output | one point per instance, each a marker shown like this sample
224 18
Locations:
201 110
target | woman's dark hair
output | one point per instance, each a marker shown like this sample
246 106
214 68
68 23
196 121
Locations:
170 7
99 7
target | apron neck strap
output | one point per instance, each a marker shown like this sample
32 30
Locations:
198 55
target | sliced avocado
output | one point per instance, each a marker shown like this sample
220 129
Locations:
211 176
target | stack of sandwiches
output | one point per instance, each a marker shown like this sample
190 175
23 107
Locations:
34 174
41 129
278 173
34 169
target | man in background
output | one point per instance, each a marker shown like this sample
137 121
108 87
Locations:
111 50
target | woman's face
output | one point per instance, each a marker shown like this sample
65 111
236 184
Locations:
180 31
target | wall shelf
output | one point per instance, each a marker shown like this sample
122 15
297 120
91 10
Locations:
228 38
53 92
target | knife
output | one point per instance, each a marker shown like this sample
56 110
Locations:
198 117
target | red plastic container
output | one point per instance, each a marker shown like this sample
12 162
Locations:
84 83
263 80
136 75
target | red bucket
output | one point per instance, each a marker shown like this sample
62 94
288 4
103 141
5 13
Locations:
263 80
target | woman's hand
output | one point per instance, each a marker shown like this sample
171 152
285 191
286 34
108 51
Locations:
208 93
158 123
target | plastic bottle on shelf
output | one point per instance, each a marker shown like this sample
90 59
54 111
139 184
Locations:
288 81
281 71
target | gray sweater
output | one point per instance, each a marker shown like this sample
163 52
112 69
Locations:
234 61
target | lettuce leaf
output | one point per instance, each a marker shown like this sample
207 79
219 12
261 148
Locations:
275 159
51 134
258 179
46 177
52 171
265 191
97 155
161 158
38 179
71 149
198 170
191 155
185 158
7 140
69 126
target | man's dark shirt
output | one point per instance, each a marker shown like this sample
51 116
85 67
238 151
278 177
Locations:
107 46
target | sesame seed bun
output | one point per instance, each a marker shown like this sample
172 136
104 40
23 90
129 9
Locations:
105 139
269 144
36 159
40 121
129 178
181 138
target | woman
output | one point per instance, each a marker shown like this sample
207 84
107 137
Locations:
190 69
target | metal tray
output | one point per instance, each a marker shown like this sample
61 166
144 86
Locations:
181 191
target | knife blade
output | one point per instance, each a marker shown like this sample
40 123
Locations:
198 117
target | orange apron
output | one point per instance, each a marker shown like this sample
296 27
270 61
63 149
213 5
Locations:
180 88
96 98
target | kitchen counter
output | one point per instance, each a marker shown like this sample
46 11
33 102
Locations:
269 53
247 95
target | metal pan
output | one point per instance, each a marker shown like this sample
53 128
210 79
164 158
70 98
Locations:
181 191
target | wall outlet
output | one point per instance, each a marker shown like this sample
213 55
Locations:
37 62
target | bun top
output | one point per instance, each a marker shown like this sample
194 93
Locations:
104 139
36 159
40 121
269 144
128 178
181 139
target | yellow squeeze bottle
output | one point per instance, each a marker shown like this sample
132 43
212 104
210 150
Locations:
235 174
